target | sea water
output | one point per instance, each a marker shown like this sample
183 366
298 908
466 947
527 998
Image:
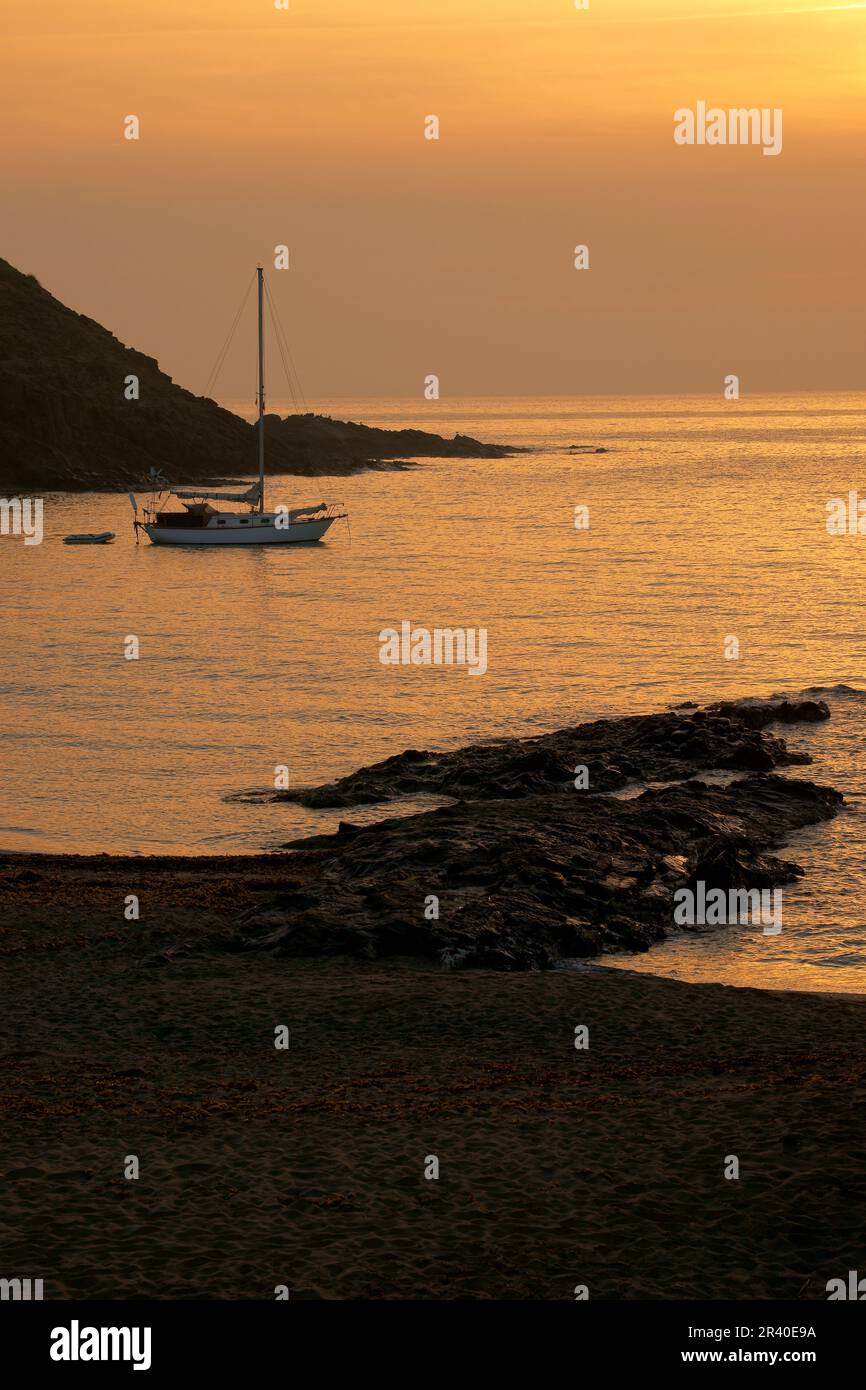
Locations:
707 522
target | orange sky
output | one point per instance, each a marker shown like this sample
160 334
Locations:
409 256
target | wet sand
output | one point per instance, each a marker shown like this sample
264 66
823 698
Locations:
258 1168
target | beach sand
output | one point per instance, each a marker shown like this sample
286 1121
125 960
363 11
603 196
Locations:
557 1167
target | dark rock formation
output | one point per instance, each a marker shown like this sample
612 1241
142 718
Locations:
527 868
761 713
65 425
312 442
642 748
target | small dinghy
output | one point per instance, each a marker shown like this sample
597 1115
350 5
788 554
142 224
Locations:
99 538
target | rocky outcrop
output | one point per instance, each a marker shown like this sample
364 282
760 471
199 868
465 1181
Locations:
311 438
526 867
65 424
642 748
759 713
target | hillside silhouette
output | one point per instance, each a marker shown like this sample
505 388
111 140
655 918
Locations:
66 425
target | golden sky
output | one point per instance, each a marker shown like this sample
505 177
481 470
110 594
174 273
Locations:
261 126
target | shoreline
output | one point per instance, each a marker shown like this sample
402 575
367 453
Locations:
82 867
721 984
532 858
566 1157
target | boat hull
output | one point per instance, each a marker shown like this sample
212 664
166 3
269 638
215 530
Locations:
297 533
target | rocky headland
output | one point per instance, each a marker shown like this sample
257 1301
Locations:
65 424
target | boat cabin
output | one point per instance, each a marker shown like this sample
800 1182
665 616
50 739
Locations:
200 514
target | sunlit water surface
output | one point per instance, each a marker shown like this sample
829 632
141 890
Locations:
707 520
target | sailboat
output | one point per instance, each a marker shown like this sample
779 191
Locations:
200 523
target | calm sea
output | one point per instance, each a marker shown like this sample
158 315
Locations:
707 521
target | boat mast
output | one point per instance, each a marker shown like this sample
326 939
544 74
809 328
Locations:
260 275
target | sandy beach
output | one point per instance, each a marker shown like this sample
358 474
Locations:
258 1167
